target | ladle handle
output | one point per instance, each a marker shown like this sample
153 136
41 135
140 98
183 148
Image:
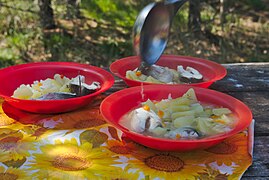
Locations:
175 5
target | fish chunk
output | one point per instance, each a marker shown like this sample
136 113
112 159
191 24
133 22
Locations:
142 120
183 133
163 74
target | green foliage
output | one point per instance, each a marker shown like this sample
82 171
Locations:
114 50
16 45
180 22
57 44
57 41
207 13
19 40
7 55
116 12
17 30
256 4
103 33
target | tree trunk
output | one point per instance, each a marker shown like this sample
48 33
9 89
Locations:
46 14
73 9
222 14
194 23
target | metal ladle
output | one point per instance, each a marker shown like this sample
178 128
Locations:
151 32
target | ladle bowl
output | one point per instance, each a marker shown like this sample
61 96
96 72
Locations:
151 31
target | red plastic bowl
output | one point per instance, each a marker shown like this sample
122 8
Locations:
210 70
12 77
118 104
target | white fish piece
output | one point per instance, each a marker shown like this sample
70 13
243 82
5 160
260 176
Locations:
78 79
183 72
196 74
93 86
142 120
189 73
77 85
183 132
163 74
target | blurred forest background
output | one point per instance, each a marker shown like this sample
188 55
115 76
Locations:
100 31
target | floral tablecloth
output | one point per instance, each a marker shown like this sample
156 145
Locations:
81 145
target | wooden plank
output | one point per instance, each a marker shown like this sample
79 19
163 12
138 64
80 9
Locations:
260 164
244 77
256 178
258 102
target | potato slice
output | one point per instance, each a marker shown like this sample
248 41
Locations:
221 111
183 113
180 108
183 121
190 94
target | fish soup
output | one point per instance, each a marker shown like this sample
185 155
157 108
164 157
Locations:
181 118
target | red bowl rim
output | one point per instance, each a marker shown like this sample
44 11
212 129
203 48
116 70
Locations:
116 65
108 76
109 99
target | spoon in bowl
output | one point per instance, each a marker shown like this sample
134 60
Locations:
77 87
150 35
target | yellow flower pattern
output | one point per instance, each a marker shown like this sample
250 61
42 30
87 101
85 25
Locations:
231 150
164 165
14 145
13 173
81 145
72 161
